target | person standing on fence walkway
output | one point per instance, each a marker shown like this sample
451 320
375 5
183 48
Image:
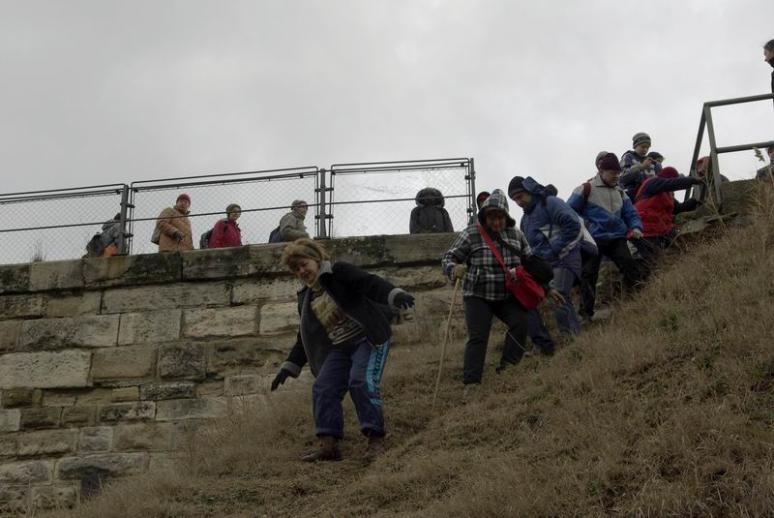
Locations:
173 228
554 232
429 216
768 56
484 292
291 226
226 232
637 165
345 337
480 199
767 172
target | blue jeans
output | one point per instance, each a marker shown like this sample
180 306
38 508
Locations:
565 314
357 368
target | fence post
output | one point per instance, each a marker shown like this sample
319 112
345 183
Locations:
123 247
471 178
321 209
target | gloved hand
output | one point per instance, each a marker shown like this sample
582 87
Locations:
634 233
178 236
279 379
403 300
459 271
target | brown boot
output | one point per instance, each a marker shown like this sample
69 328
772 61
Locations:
375 447
328 450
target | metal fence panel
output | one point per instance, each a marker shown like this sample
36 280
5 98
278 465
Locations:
54 224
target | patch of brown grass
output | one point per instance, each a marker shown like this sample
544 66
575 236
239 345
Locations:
665 410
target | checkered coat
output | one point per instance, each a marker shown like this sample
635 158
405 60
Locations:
485 277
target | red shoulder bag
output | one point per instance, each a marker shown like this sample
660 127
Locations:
519 282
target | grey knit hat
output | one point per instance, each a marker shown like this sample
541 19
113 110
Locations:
640 138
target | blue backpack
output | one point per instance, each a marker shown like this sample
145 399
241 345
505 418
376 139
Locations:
275 236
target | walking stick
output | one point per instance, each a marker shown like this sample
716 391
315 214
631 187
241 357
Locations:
445 341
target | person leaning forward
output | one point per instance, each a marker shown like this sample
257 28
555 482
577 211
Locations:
483 290
175 227
345 337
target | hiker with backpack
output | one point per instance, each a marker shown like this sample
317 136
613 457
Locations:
345 336
173 228
636 164
429 216
656 205
555 233
501 277
611 219
291 225
105 243
226 232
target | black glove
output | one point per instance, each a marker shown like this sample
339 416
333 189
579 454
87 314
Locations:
178 236
279 379
403 300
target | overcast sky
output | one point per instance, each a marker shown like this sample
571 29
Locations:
105 91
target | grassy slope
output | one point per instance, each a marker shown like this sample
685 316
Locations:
667 409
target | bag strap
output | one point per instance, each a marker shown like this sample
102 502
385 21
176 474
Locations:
492 246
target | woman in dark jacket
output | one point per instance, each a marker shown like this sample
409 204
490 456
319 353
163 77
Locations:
226 232
345 337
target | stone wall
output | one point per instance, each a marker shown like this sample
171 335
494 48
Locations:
105 364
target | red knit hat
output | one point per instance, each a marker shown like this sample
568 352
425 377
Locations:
609 162
668 172
183 196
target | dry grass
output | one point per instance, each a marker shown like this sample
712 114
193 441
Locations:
666 410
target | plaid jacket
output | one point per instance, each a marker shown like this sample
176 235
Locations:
485 277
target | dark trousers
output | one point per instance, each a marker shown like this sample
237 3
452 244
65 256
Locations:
617 251
359 369
478 317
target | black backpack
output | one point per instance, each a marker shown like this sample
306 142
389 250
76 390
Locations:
275 236
204 240
94 247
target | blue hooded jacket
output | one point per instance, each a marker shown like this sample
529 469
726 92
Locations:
608 212
551 227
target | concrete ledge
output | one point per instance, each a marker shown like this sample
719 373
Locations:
14 278
132 270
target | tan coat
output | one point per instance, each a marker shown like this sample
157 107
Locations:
170 221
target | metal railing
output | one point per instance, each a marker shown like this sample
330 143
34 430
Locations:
714 180
368 198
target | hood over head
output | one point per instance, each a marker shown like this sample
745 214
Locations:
496 200
429 197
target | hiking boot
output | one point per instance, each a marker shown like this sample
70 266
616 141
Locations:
327 450
470 391
375 447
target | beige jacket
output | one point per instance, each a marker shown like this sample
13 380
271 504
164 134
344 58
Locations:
170 221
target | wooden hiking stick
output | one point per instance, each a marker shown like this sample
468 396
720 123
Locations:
445 341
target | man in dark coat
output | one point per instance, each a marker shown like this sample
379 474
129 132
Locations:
768 56
429 215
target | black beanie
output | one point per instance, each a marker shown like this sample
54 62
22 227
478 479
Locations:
516 185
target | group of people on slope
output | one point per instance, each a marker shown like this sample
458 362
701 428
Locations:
173 227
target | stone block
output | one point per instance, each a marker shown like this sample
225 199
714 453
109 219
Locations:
14 278
126 412
216 263
174 409
150 327
737 195
173 296
22 306
418 278
60 333
96 439
85 303
14 500
225 356
417 248
185 361
126 362
363 251
279 318
10 420
132 270
9 446
126 394
95 396
56 275
19 397
263 259
210 389
143 437
102 464
9 334
50 442
58 398
79 416
167 390
25 472
40 417
261 289
240 384
235 321
57 496
68 368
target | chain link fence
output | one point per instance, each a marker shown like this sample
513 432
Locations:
345 200
54 224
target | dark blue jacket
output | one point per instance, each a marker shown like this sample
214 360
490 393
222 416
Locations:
608 211
364 297
551 227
